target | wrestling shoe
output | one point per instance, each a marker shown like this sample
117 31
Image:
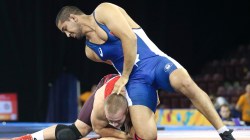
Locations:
227 135
25 137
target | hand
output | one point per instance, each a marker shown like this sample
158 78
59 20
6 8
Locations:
129 137
120 83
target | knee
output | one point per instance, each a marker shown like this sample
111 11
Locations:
180 79
143 135
67 132
184 84
187 83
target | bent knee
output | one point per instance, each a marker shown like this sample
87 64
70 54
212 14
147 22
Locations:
185 84
145 136
149 134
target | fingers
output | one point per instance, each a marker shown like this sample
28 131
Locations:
120 83
117 89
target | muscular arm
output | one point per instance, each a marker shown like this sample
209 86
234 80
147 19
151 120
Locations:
112 17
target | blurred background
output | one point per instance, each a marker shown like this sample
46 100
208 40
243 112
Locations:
40 65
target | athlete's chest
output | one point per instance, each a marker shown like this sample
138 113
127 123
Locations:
99 36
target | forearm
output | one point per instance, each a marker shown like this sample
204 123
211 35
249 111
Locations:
111 132
129 52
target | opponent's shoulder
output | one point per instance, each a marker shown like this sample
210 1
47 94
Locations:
100 91
99 98
98 106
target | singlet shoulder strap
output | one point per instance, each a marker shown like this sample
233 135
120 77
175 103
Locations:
95 19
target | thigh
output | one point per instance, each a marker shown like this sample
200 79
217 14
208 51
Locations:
142 94
85 112
143 120
163 70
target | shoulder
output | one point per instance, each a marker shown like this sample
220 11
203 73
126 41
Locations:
98 105
105 5
105 9
99 93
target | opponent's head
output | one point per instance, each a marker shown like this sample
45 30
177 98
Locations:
67 21
116 109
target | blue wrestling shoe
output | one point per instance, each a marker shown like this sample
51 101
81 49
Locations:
227 135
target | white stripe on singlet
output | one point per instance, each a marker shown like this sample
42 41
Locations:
153 47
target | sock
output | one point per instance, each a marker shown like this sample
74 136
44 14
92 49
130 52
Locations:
38 135
222 130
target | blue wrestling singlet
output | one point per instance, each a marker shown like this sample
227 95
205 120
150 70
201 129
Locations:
151 69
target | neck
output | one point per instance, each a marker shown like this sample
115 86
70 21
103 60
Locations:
87 23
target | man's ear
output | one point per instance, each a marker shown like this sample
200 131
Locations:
73 17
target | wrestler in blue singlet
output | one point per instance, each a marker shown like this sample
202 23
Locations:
151 69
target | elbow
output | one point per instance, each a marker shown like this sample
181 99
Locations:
130 38
97 130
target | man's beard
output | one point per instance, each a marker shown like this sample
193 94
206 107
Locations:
79 36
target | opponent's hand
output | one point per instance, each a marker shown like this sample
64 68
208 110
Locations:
129 137
120 83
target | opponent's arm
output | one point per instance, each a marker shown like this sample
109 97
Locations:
100 127
111 16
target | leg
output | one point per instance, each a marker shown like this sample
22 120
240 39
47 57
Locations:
49 133
72 132
59 131
182 82
83 128
144 125
144 101
170 74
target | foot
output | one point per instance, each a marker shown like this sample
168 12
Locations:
227 135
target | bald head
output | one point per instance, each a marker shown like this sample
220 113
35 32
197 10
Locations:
115 103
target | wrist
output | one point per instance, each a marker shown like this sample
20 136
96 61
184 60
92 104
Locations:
125 76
